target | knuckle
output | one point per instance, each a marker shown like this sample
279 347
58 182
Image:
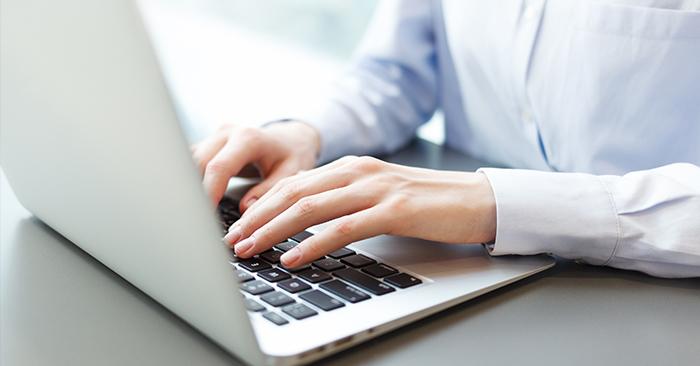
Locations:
277 187
216 167
367 164
345 227
249 134
306 206
198 156
282 182
313 249
290 192
347 159
263 234
258 191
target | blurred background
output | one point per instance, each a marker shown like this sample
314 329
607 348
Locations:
249 62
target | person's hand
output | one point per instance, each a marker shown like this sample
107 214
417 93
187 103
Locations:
368 197
277 151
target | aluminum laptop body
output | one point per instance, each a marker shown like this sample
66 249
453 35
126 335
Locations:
91 145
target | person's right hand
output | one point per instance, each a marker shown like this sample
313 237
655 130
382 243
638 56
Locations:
277 150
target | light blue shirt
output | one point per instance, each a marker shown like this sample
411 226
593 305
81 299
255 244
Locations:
597 103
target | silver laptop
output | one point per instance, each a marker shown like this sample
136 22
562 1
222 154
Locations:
91 145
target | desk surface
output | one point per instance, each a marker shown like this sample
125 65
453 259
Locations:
61 307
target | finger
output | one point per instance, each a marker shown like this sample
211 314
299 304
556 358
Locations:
225 164
204 151
358 226
307 212
300 175
261 188
293 189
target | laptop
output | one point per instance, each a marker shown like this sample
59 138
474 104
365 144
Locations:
92 146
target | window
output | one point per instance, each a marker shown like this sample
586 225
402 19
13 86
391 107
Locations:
245 61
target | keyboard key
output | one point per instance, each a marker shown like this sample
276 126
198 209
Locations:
254 264
358 260
296 269
242 276
345 291
228 212
299 311
228 220
228 205
275 318
366 282
314 275
276 298
301 236
321 300
402 280
274 275
253 305
293 285
272 256
340 253
228 217
379 270
287 245
328 264
256 287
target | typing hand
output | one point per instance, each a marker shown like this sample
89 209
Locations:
369 197
277 150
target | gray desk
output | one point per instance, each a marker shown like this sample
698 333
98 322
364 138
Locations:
61 307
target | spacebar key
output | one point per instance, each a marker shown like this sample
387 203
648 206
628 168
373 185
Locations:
366 282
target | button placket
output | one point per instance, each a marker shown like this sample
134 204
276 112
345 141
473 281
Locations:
526 114
524 42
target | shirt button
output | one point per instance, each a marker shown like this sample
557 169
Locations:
530 13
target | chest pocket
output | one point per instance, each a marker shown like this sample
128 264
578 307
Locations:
632 88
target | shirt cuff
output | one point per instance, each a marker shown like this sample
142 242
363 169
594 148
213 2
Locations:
571 215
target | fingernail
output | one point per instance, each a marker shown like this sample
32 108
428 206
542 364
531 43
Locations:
244 246
233 235
251 201
291 257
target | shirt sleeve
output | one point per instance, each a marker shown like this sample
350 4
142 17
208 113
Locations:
645 220
388 91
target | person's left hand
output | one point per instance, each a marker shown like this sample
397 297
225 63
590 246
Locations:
369 197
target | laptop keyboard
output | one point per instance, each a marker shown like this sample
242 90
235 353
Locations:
342 278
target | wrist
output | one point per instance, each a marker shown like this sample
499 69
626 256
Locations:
458 207
302 135
311 136
486 206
